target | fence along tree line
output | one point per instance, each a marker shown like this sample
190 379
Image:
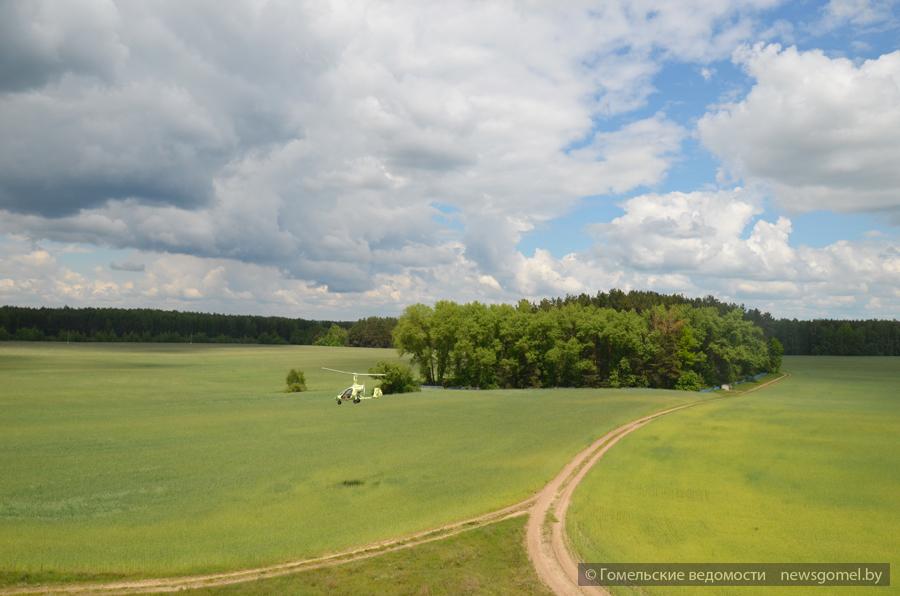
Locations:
582 345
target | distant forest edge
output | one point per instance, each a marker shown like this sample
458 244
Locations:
816 337
168 326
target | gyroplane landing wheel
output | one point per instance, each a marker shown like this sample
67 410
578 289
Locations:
356 400
339 401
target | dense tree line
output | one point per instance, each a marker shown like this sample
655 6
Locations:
150 325
819 337
372 332
828 337
571 344
637 300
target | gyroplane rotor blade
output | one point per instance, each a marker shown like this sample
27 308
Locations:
354 373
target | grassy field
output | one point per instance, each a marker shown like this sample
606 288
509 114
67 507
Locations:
488 560
803 471
137 460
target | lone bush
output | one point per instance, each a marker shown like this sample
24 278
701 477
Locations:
689 381
296 381
336 336
398 378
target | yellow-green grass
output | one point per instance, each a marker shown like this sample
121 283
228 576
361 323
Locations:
486 560
805 470
145 460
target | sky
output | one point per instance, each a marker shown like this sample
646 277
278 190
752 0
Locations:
332 159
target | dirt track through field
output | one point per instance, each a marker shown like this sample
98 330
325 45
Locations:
546 542
174 584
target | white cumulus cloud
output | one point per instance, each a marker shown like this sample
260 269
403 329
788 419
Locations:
819 132
342 158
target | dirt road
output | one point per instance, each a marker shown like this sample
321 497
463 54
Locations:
174 584
546 541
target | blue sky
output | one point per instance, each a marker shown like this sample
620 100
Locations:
336 160
684 94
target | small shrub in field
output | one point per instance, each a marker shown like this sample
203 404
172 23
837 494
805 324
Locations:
296 381
689 381
398 378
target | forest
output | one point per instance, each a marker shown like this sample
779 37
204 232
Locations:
150 325
816 337
583 345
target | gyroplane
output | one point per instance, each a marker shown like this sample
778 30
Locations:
356 392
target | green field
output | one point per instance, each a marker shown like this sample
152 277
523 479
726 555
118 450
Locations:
141 460
803 471
488 560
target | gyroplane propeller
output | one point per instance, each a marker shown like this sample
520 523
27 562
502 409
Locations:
356 392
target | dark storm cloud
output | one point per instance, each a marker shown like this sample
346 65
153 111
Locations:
112 101
39 42
60 196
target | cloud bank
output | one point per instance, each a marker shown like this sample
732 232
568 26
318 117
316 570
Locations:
344 158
